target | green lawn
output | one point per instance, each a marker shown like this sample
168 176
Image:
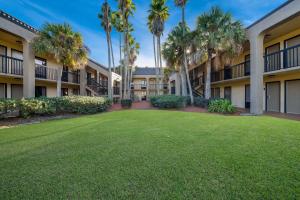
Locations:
152 155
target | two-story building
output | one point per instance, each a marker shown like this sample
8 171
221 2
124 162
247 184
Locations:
144 83
266 76
23 74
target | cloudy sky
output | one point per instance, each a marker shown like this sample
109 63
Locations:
82 15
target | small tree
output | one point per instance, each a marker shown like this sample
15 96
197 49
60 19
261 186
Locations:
63 44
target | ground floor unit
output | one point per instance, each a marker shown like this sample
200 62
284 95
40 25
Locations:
281 92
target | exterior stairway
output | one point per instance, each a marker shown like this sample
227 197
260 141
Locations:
96 88
198 86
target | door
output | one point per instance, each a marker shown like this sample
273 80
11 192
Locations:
16 91
3 59
273 60
247 96
273 97
292 96
2 90
227 93
40 91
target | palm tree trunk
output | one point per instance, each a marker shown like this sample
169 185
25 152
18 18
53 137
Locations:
112 54
109 66
208 76
160 60
125 67
188 77
155 62
183 81
158 66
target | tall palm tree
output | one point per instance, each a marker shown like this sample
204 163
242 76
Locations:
158 14
126 8
217 32
182 4
105 18
62 43
173 51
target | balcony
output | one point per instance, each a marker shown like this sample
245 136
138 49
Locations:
71 77
233 72
12 66
138 86
284 59
159 86
47 73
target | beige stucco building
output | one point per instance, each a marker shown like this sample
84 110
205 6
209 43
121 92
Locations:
266 76
144 83
22 74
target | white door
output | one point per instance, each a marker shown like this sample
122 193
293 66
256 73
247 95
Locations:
293 97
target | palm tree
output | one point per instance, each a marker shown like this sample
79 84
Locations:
218 33
158 14
105 18
173 51
182 4
62 43
126 8
134 48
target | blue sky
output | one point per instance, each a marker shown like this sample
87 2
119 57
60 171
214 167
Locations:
82 15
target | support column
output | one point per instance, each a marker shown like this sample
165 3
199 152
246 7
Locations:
28 70
83 82
148 85
178 85
58 83
257 70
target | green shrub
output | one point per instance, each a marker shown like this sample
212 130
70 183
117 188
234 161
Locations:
36 106
221 106
126 103
47 106
201 102
168 101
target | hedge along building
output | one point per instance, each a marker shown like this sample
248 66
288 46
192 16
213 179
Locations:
266 76
22 74
144 83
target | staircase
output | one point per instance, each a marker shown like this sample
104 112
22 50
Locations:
97 89
198 86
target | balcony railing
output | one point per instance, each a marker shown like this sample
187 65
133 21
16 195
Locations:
138 86
233 72
159 86
116 90
71 77
43 72
10 65
98 87
283 59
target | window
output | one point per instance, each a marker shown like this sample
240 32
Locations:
2 90
64 92
17 54
3 61
40 91
227 93
215 93
40 61
16 91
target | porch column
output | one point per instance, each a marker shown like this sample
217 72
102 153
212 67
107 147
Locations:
58 83
148 85
83 82
28 70
178 84
257 70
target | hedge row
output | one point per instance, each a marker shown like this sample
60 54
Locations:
168 101
57 105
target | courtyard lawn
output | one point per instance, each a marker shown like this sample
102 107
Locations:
152 155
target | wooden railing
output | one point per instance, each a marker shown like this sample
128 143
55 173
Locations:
233 72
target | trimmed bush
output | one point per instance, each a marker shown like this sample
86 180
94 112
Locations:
49 106
126 103
168 101
221 106
201 102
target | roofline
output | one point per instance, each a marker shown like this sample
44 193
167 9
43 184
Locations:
270 13
17 22
98 64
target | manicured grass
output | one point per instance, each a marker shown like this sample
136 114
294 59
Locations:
152 155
